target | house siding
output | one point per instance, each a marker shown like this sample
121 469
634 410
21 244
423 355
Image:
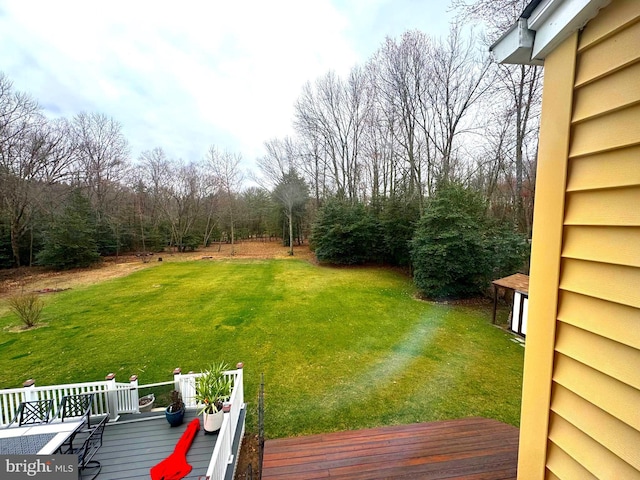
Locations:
582 373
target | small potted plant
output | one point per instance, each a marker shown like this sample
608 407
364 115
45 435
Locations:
145 404
213 388
175 411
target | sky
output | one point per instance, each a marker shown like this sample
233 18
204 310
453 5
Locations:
187 75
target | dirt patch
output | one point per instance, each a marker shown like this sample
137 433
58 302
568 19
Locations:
41 280
249 456
52 290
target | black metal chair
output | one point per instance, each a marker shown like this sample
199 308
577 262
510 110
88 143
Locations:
74 406
90 445
33 413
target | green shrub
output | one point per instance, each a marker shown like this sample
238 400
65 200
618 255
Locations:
448 249
508 250
456 251
398 219
346 233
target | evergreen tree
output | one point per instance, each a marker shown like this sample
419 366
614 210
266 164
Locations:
71 239
457 250
346 233
398 218
449 251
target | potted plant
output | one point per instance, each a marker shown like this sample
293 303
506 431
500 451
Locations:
145 404
213 388
175 411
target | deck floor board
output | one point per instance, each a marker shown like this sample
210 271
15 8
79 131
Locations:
472 448
130 449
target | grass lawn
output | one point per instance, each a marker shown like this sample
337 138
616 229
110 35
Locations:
340 348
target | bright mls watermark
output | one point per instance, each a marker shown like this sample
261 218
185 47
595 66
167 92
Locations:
50 467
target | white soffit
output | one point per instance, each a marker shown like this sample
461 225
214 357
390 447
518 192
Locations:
554 20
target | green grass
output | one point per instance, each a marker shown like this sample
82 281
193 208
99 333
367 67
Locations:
339 348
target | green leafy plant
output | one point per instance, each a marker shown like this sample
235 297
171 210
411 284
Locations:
213 388
28 307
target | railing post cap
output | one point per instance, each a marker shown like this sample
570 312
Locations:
133 378
177 371
29 383
110 376
240 365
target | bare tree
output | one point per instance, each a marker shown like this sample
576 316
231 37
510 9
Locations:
498 15
280 176
185 195
519 87
335 111
314 165
34 154
102 157
400 73
178 191
155 168
225 167
211 204
459 80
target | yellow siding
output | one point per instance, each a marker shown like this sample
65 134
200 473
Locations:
618 168
617 130
616 245
612 93
603 391
615 283
587 452
592 394
618 51
607 319
561 466
610 21
601 354
608 431
604 207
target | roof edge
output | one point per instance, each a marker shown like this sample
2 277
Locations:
515 46
542 26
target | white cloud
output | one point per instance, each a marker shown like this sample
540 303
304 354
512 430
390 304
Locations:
184 77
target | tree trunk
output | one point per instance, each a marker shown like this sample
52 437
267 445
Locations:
15 246
290 231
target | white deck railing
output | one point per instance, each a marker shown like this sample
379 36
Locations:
109 397
114 398
223 450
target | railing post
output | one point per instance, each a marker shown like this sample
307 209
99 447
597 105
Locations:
112 396
30 390
226 408
135 395
177 374
240 382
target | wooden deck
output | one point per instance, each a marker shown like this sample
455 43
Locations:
471 448
134 444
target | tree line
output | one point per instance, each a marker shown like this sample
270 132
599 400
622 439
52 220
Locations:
421 113
77 175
